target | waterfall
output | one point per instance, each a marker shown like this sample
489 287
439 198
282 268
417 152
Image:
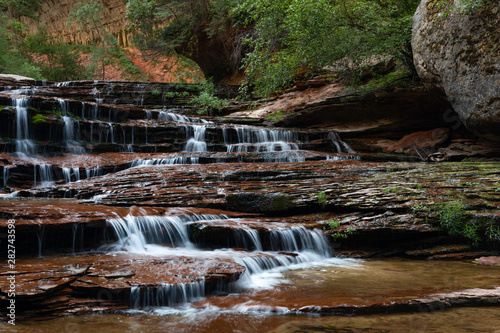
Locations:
196 142
69 136
94 171
6 171
24 146
195 134
299 239
166 294
277 145
45 173
248 238
340 145
165 161
136 232
40 233
69 172
170 116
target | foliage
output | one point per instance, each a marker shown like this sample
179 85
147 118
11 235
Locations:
13 58
19 8
176 27
343 234
493 232
88 17
207 101
293 36
464 7
453 219
57 61
276 116
322 198
420 208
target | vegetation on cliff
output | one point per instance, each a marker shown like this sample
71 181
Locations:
276 40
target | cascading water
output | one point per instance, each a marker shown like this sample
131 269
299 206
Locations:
166 294
171 116
135 233
45 175
6 172
70 137
299 239
160 235
277 145
196 142
94 171
71 173
341 146
165 161
195 134
24 145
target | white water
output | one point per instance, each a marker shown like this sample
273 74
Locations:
196 139
277 145
168 235
24 145
165 161
70 136
171 116
341 146
44 175
166 294
71 173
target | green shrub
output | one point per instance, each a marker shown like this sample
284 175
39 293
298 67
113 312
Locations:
207 101
342 234
322 199
452 218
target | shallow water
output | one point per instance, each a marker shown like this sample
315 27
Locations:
466 320
340 281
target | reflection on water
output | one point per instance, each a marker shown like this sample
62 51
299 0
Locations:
268 309
462 320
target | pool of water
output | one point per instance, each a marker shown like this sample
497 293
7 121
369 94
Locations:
269 307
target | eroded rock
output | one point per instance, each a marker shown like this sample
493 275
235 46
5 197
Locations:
459 54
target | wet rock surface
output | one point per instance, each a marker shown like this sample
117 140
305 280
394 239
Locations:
51 286
214 201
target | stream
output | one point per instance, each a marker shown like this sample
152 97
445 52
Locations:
141 218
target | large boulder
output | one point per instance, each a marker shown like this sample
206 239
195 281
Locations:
459 54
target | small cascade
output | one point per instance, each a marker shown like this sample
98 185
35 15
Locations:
94 171
6 171
75 231
40 234
278 145
341 146
166 294
136 232
45 175
195 134
71 173
127 147
196 141
249 239
165 161
299 239
24 145
70 136
111 133
170 116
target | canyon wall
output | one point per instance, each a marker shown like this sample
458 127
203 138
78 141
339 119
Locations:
53 14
